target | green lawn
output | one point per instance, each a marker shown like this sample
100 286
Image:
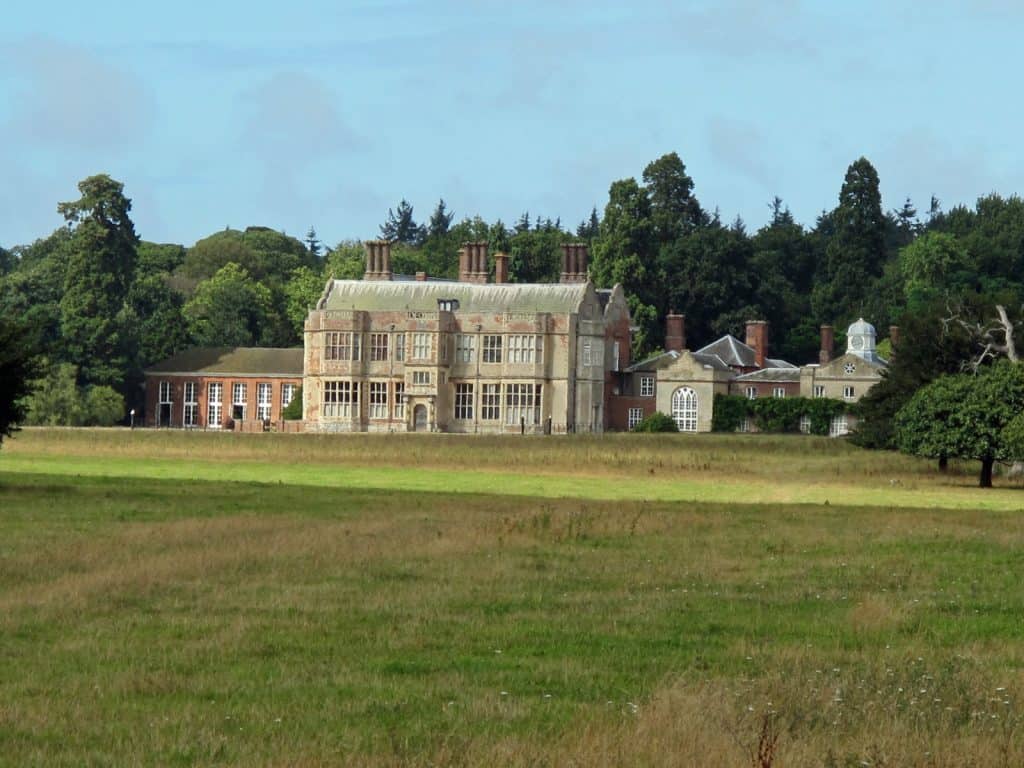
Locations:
170 599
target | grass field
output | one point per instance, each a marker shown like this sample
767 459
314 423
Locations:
292 600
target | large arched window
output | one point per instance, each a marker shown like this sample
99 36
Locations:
684 409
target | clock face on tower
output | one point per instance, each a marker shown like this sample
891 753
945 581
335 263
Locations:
857 342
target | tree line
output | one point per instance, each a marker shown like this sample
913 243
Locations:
98 304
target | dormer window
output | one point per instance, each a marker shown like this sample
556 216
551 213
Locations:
447 305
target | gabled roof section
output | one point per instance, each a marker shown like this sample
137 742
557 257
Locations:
774 362
780 375
387 295
731 351
226 361
665 359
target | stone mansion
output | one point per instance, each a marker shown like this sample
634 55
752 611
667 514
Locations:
393 353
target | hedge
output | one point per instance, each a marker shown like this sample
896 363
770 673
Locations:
776 414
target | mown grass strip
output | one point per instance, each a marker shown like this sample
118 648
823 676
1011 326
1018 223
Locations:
605 486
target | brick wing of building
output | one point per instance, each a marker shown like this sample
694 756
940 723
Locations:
388 353
242 388
683 383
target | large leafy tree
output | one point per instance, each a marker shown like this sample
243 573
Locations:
929 347
935 265
301 293
856 251
709 281
100 267
966 416
158 327
266 254
625 253
674 211
782 266
17 368
228 310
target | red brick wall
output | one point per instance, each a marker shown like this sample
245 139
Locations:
202 389
618 410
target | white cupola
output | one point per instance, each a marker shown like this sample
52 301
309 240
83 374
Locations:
860 340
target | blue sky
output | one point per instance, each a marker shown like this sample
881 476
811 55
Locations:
219 114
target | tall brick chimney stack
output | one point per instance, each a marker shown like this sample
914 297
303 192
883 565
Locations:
378 260
473 263
757 337
480 262
828 343
500 267
894 335
574 263
675 332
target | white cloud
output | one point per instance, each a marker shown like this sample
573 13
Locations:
71 98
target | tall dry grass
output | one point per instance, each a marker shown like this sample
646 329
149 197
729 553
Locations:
773 457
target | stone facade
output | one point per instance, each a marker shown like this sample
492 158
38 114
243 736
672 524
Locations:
393 355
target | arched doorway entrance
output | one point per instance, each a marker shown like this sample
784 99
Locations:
419 418
684 409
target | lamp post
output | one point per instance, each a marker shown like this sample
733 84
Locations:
131 415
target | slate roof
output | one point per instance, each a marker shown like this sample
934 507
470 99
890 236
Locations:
731 351
387 295
772 374
231 361
665 359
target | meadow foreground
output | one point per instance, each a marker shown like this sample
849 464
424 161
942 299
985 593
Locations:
206 599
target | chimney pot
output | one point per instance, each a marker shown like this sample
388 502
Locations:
675 332
757 337
828 341
500 267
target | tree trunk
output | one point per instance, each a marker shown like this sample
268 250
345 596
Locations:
985 481
943 464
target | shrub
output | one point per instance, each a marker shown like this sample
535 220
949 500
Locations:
293 411
656 422
104 407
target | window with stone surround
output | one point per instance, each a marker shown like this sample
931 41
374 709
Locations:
378 399
378 346
492 349
399 408
524 348
522 403
464 401
341 399
342 345
490 402
421 346
465 348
